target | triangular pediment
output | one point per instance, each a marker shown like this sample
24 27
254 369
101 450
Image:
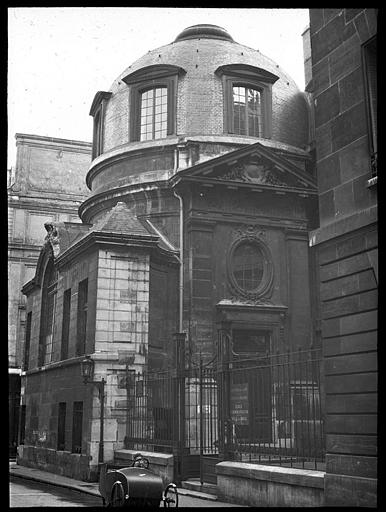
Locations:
256 166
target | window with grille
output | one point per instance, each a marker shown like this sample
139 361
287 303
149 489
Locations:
47 314
66 323
248 266
27 341
82 317
77 421
154 114
62 425
247 111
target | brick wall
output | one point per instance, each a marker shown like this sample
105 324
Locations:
346 246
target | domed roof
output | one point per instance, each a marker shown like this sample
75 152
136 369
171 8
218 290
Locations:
201 55
204 31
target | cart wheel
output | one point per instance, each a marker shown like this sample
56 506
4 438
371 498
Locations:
170 497
117 497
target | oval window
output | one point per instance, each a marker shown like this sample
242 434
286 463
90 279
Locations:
248 266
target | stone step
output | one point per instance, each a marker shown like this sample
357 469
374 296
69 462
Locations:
194 484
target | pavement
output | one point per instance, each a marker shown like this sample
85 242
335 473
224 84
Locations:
15 470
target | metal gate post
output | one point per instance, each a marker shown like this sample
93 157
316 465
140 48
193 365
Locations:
201 425
223 361
179 401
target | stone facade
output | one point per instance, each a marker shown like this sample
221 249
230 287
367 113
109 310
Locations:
46 184
346 248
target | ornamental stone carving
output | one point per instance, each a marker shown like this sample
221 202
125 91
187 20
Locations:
52 237
251 279
255 173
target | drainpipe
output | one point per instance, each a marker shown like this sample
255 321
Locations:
181 285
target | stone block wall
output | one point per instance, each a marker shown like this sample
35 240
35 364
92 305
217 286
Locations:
342 153
346 249
122 303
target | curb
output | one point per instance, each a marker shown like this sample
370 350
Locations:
94 492
47 481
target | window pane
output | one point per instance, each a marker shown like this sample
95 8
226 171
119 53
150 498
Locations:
247 118
248 266
154 114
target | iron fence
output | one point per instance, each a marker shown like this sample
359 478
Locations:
275 411
265 410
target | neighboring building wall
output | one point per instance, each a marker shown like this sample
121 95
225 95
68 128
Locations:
48 183
346 247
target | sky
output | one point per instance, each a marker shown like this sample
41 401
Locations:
59 57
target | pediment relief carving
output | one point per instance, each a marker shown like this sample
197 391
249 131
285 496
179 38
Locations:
258 172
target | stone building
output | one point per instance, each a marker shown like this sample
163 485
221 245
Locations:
342 82
202 198
47 183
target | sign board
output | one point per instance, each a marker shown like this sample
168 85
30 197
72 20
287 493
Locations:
239 404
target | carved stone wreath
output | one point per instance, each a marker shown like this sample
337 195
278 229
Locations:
254 235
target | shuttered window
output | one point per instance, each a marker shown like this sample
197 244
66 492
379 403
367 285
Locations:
82 317
77 423
66 323
27 341
62 425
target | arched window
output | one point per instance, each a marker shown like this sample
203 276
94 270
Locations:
47 314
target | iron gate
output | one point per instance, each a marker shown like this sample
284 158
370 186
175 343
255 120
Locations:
265 410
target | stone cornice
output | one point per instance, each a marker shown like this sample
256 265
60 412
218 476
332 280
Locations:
42 141
104 238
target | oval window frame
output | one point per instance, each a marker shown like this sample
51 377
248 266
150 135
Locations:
267 279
